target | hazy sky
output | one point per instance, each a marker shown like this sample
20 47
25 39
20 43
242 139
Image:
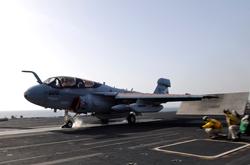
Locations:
202 46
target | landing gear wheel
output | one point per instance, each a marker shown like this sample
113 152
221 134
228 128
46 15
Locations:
68 120
131 119
69 124
104 121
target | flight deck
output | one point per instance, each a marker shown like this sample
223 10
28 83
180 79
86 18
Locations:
157 139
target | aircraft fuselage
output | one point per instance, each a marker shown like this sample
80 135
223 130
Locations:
63 98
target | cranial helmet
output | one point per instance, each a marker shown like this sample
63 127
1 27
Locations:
226 111
204 118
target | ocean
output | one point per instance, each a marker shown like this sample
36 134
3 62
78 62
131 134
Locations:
46 113
29 113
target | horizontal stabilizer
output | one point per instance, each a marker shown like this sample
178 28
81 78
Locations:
215 104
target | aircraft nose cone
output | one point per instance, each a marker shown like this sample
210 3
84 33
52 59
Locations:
34 94
29 94
26 95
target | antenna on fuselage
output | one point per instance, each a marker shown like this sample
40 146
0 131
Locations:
34 73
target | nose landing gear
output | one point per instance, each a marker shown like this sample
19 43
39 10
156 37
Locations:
68 124
68 120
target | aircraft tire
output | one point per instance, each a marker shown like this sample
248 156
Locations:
104 121
69 124
131 119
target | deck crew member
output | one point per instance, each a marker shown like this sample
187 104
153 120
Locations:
212 127
233 122
244 125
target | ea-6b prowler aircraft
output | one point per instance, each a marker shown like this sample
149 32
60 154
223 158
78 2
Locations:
83 96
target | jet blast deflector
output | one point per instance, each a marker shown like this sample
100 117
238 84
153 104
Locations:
215 104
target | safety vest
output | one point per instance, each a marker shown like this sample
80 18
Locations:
232 119
244 127
212 123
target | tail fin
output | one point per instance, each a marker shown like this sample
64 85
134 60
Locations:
162 86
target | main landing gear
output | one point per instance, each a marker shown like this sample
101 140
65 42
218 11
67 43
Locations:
131 118
104 121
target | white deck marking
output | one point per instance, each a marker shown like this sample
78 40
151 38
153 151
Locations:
112 143
154 143
131 138
35 130
23 159
122 141
46 126
202 156
83 139
58 161
25 135
56 128
44 156
43 144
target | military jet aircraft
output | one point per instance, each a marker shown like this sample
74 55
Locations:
84 96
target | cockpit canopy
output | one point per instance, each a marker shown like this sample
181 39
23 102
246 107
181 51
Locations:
70 82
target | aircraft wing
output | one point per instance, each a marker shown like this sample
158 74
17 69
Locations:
159 98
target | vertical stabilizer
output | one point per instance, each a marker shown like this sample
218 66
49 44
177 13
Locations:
162 86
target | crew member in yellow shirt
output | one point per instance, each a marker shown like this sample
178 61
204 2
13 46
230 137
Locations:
233 122
212 127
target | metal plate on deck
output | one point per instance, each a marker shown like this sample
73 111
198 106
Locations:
216 104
